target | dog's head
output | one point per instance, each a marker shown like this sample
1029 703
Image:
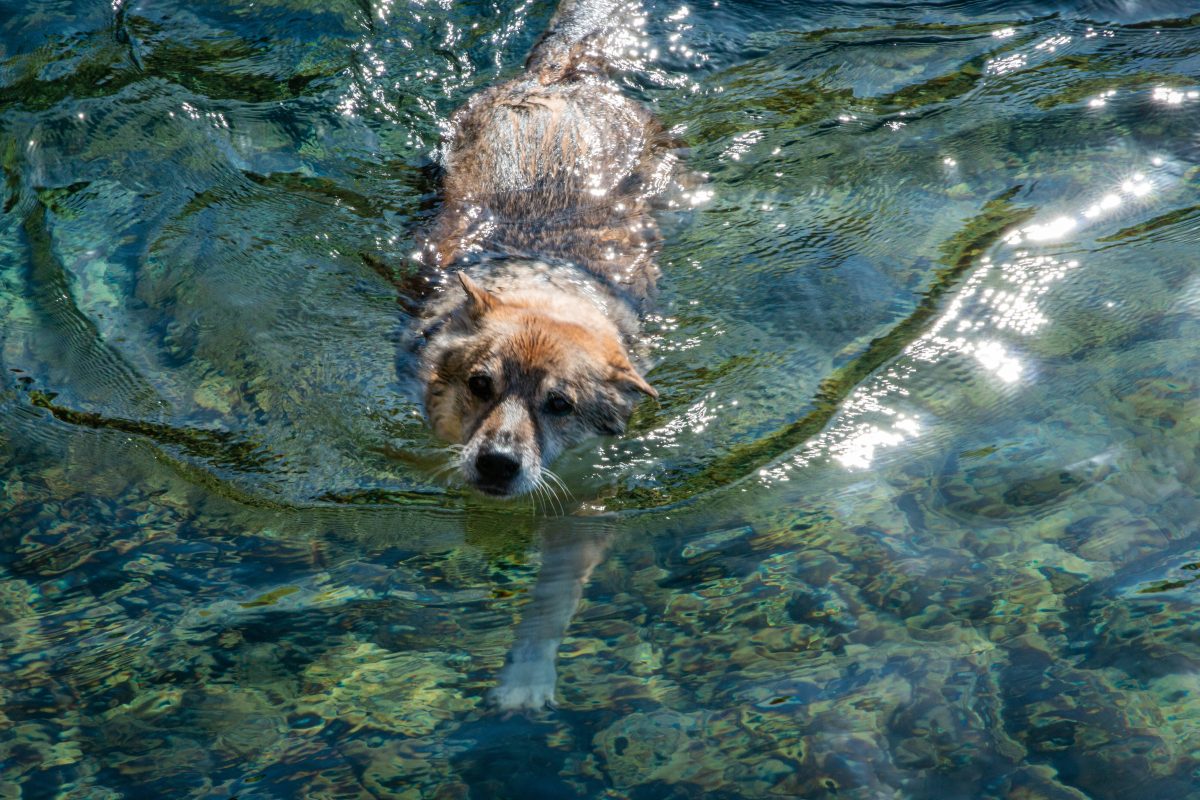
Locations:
518 384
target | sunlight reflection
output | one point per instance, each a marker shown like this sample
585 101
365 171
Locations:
695 419
857 450
994 308
998 300
995 359
999 66
1055 229
1173 97
741 144
1053 43
1135 187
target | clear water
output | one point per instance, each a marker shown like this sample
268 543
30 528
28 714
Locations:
915 516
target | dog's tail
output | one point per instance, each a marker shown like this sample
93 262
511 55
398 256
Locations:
586 35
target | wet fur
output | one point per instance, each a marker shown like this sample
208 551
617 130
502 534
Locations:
547 190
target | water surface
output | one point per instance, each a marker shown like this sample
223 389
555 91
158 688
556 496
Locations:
915 515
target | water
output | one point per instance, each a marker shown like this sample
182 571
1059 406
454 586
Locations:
915 515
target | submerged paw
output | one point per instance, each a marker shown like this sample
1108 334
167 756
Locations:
525 686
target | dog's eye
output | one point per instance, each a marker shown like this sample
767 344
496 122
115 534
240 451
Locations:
480 386
558 405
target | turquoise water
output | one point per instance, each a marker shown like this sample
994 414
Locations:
915 515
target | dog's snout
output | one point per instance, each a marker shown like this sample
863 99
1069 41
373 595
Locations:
497 468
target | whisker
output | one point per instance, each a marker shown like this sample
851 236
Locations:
444 471
448 470
539 487
560 483
535 493
551 495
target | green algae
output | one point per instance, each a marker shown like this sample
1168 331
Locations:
922 29
104 65
221 448
1093 87
270 597
1171 218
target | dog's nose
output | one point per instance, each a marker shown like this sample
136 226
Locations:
497 468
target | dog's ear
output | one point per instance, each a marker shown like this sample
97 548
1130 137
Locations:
479 300
629 376
639 383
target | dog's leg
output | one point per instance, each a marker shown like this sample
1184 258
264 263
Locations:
568 557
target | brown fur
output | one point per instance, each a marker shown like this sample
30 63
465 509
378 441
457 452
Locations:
547 189
579 165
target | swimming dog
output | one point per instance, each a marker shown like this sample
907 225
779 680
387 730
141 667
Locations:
545 246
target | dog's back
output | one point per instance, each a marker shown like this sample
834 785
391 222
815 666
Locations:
557 164
548 180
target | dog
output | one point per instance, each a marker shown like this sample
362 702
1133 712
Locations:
544 255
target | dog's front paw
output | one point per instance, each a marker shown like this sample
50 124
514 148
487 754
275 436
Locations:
525 686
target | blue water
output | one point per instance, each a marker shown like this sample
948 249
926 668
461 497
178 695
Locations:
914 516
